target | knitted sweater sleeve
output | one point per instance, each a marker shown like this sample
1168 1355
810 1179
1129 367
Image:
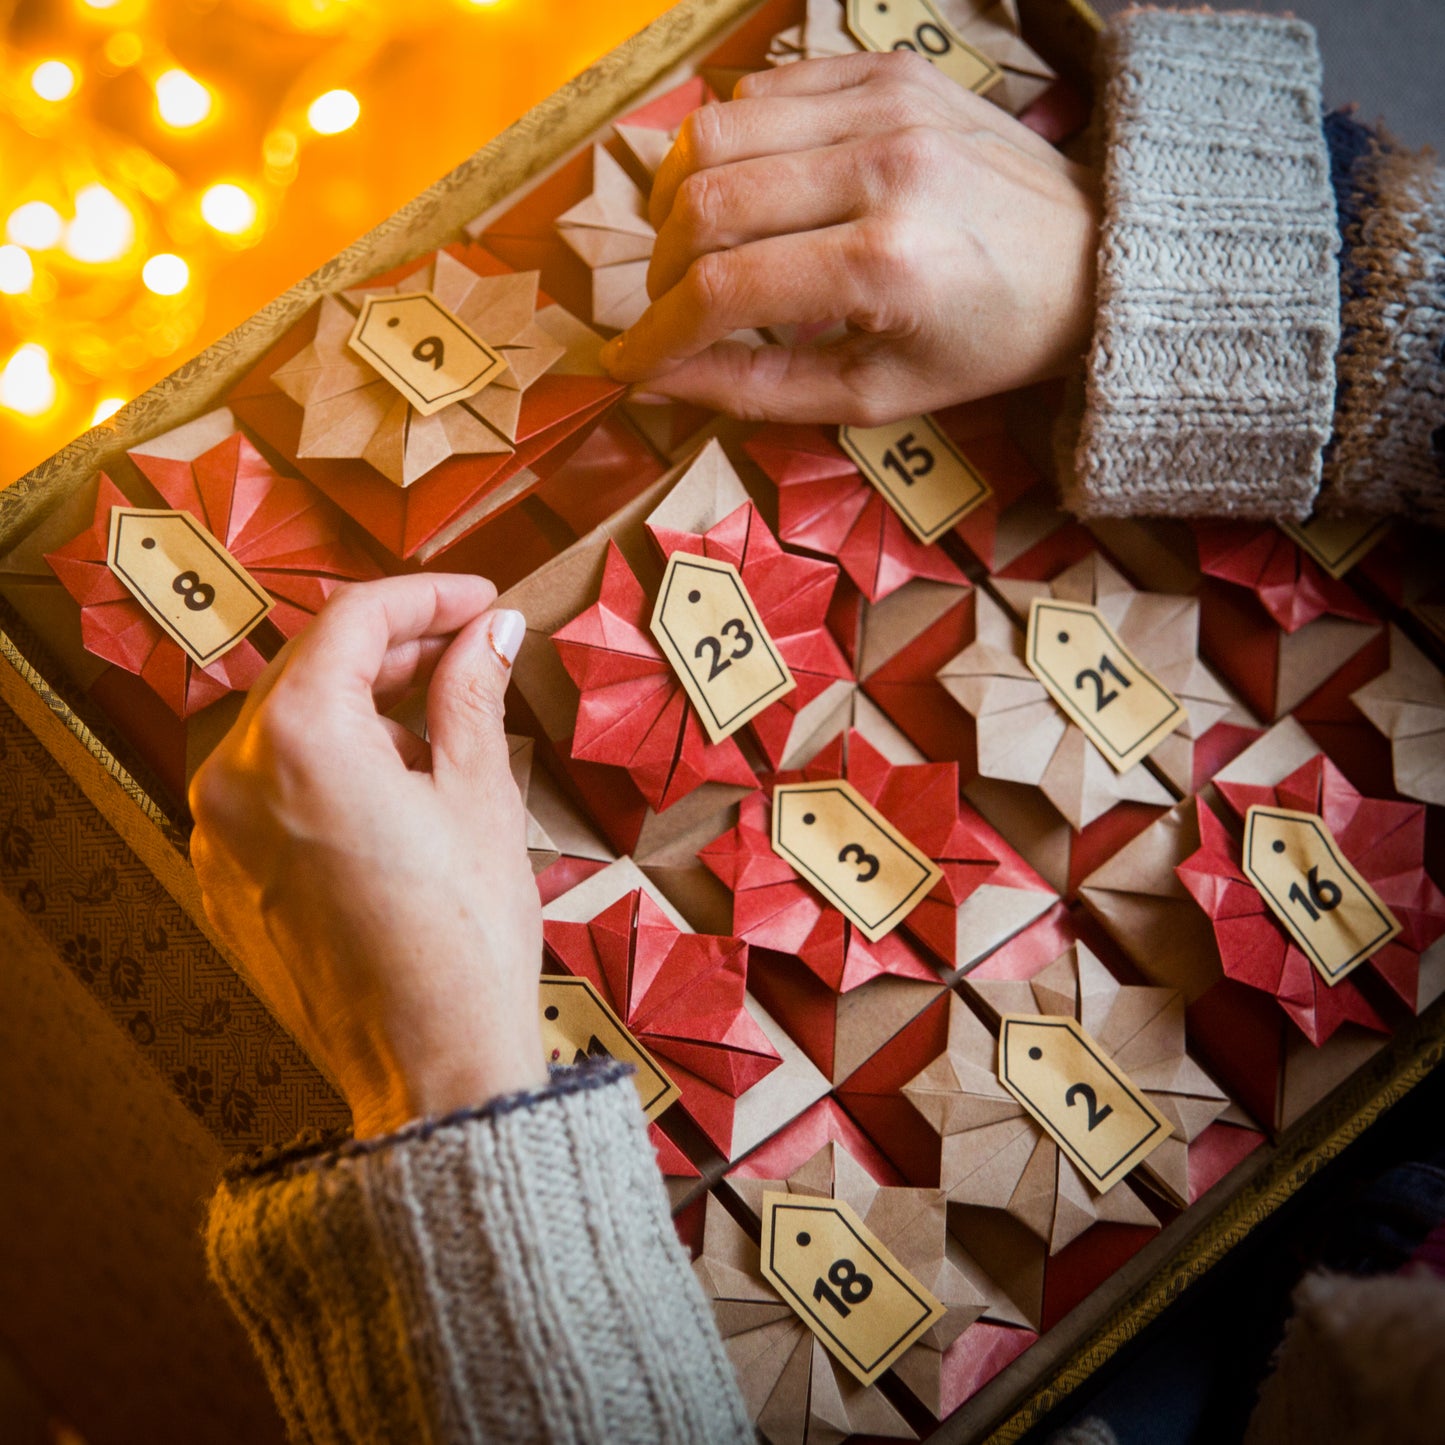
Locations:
507 1273
1271 289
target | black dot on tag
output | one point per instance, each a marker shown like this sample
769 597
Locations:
1063 637
395 321
804 1240
694 595
551 1011
882 9
1036 1052
1278 845
810 818
148 542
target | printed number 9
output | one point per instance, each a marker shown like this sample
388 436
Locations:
1324 894
853 1286
430 348
735 628
853 853
916 461
199 595
925 33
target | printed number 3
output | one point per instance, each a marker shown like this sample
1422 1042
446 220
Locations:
1103 698
853 853
916 461
853 1286
199 595
735 628
1091 1103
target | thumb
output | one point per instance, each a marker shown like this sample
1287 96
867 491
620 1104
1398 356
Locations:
464 705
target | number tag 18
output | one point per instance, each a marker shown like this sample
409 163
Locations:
1337 919
185 579
843 1282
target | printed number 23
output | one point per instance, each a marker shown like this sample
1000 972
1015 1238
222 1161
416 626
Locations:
743 640
910 461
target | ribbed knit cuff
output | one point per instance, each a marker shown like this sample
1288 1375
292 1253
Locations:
1209 387
508 1274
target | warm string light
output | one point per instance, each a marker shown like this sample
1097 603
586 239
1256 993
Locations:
27 384
181 100
334 112
53 80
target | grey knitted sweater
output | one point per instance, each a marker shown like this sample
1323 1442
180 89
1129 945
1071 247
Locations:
1270 331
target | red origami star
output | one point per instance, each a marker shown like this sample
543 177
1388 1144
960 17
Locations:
633 711
1385 841
282 530
825 505
682 995
774 908
1291 586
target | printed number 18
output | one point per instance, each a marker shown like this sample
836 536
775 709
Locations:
853 1286
910 461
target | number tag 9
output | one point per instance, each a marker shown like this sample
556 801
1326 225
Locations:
1319 896
843 1282
711 633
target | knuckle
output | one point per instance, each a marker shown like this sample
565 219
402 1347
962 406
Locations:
911 156
701 136
697 202
888 247
712 283
480 696
901 69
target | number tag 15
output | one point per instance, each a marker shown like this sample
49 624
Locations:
843 1282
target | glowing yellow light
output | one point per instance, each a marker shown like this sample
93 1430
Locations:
181 99
103 229
229 209
279 149
52 80
26 384
123 49
481 4
106 409
166 275
17 271
35 225
101 4
334 112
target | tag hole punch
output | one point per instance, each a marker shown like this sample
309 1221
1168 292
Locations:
694 595
1278 845
1063 637
804 1240
551 1011
395 321
1036 1052
148 543
810 818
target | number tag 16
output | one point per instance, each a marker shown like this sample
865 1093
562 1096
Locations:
843 1282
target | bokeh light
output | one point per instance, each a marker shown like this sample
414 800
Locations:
123 49
181 100
35 225
334 112
106 408
52 80
27 384
229 209
166 274
17 270
103 229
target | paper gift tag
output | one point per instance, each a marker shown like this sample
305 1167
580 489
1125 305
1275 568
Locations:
851 854
429 356
711 633
1314 890
919 471
916 25
1097 681
1336 543
845 1285
1077 1095
185 579
577 1024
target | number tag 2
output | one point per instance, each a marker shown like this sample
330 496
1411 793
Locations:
917 25
1334 915
203 598
417 345
843 1282
1076 1093
1123 708
919 471
710 631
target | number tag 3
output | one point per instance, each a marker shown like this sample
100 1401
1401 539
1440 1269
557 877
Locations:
1087 1105
843 1282
711 633
1314 890
185 579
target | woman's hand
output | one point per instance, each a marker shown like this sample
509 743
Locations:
956 244
377 886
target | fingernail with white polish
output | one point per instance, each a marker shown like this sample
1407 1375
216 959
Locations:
505 634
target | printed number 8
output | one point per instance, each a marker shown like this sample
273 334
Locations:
853 1286
199 595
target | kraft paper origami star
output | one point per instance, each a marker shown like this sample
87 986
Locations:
682 995
1023 737
774 908
794 1389
1292 587
995 1156
634 712
1407 704
279 528
1385 841
351 411
610 232
826 505
649 131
